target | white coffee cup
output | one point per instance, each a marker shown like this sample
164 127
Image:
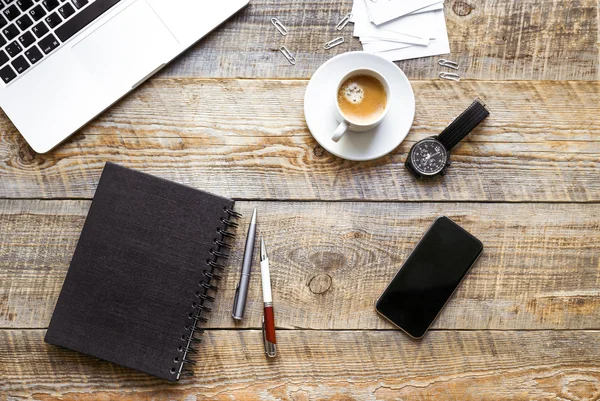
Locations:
347 123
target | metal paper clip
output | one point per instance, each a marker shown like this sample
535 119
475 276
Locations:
342 24
449 76
277 24
284 50
334 43
448 63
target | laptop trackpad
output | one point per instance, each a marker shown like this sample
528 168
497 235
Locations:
128 47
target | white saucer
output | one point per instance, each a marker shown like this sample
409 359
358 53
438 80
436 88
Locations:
319 106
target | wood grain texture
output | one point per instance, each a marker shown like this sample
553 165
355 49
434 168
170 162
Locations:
247 139
522 326
324 365
330 261
491 39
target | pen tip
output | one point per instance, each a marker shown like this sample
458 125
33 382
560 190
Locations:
263 249
253 221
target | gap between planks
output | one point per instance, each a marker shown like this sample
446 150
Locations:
355 330
346 200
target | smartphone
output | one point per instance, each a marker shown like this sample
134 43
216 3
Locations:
429 277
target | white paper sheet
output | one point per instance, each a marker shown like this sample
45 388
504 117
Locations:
433 7
422 25
371 39
383 45
421 33
414 30
440 45
387 10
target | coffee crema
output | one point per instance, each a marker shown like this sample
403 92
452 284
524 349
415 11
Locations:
362 98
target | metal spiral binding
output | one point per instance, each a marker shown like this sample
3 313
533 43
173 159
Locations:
199 307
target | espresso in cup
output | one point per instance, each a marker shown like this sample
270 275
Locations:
362 98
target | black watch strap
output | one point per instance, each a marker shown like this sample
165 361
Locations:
463 124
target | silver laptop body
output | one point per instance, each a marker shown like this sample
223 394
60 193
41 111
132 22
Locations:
69 60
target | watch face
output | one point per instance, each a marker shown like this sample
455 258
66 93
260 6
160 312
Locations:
429 157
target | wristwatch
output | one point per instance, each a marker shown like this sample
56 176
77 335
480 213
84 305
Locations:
431 156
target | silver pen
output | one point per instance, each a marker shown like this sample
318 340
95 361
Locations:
241 292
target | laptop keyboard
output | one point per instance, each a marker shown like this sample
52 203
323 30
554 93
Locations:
32 29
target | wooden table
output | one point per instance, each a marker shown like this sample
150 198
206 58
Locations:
228 117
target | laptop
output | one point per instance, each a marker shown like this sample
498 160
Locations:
63 62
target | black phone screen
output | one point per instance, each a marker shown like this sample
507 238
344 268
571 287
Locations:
429 276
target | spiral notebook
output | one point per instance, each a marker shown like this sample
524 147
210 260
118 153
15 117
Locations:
143 274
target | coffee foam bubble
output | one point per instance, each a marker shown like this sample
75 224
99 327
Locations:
354 93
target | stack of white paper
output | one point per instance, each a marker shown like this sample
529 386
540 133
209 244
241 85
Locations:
401 29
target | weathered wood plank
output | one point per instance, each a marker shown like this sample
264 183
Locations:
492 39
324 365
330 261
248 139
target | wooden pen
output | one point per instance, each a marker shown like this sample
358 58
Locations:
269 315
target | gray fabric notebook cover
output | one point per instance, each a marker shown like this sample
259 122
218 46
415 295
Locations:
135 273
